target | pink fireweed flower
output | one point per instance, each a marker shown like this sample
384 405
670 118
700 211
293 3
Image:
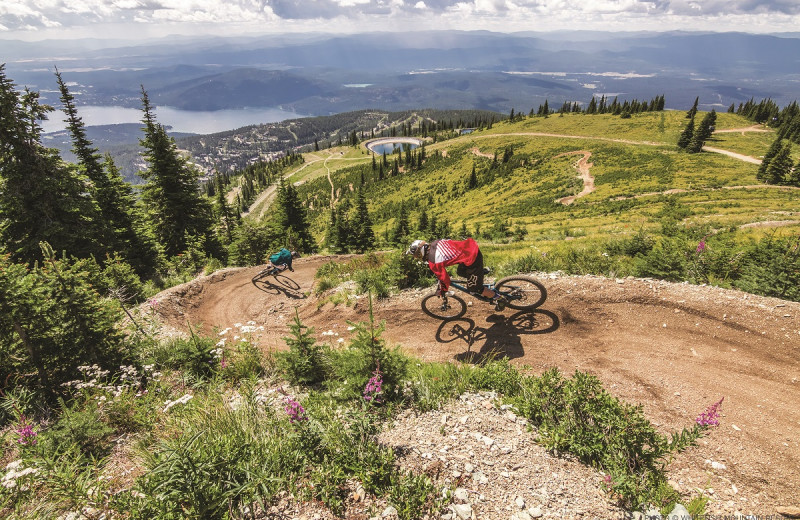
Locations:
27 437
372 392
295 411
711 416
701 246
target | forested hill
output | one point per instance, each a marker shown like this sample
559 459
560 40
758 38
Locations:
235 149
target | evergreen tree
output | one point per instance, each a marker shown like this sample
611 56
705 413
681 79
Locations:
472 183
422 222
780 166
120 228
41 197
774 148
363 235
330 234
171 194
401 231
692 111
54 320
291 216
223 210
686 135
703 131
343 232
794 176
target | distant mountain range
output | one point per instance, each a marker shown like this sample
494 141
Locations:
319 74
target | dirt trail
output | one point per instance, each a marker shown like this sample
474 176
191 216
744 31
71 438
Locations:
674 348
583 166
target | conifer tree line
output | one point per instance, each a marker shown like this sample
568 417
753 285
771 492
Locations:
776 166
623 109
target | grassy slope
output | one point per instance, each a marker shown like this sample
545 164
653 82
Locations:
634 161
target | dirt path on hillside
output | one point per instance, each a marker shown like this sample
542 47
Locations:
674 348
583 166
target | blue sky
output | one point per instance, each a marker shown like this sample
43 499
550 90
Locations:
39 19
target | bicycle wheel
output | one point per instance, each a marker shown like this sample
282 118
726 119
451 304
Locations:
444 309
522 292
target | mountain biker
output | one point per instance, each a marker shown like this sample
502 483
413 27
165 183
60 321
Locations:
282 260
466 254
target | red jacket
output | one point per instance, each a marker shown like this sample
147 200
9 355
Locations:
444 252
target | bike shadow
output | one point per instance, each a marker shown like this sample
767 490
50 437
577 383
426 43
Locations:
501 339
278 284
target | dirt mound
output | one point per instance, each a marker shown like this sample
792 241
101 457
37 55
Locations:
674 348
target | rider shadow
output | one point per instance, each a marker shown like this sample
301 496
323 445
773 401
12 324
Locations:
501 339
278 284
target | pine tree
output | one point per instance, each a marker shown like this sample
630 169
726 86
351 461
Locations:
401 230
686 135
472 183
422 221
780 166
223 210
120 228
171 194
774 148
291 216
364 236
692 111
702 132
42 198
794 176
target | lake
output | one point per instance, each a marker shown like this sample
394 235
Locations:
196 122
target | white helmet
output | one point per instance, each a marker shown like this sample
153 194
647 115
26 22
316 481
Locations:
417 249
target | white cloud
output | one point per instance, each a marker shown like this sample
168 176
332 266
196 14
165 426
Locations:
351 15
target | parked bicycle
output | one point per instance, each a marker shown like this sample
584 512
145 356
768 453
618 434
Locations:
519 292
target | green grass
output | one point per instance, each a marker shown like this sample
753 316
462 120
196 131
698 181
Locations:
222 446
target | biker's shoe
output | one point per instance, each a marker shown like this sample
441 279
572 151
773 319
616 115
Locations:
499 301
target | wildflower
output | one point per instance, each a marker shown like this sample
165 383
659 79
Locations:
295 411
374 386
701 246
711 416
153 304
222 363
26 434
183 400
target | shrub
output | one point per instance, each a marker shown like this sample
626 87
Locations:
367 352
772 268
666 261
305 363
79 424
578 416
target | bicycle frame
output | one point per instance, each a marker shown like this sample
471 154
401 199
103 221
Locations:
456 284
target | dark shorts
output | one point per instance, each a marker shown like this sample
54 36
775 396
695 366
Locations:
473 273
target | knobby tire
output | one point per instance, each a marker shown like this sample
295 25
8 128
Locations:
432 306
522 292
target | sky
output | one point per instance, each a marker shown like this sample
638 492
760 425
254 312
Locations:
45 19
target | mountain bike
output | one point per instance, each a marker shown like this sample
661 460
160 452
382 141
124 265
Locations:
271 270
519 292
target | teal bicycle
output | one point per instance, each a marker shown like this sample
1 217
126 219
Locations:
519 292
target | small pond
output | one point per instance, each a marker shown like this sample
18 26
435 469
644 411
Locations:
389 147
